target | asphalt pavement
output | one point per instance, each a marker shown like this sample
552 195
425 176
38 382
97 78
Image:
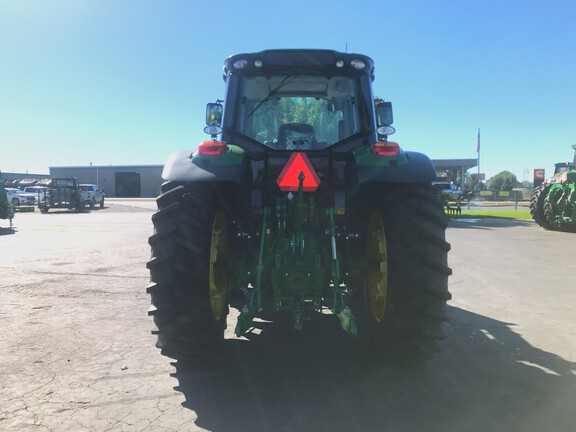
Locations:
77 353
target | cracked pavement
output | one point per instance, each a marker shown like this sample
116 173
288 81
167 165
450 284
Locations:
77 353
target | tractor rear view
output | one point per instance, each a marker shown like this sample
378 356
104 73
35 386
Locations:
302 208
553 203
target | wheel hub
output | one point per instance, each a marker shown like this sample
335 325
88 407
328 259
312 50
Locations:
219 274
376 279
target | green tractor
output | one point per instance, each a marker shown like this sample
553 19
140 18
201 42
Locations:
553 203
6 207
302 209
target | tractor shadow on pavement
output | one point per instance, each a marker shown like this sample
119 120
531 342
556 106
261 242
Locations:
7 231
486 377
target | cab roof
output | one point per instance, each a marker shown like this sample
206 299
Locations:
298 61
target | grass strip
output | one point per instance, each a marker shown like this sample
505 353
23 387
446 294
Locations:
493 214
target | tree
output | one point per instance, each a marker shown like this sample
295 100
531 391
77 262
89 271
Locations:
472 182
504 181
268 117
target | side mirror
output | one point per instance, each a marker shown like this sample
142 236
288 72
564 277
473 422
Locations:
214 114
384 119
384 114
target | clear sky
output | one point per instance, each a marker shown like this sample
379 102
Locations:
125 82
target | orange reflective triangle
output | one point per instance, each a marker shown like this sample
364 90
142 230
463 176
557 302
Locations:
288 178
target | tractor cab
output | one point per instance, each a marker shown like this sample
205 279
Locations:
298 100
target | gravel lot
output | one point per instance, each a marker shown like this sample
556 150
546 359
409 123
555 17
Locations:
77 353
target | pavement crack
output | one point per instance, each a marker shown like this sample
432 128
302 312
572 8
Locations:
35 389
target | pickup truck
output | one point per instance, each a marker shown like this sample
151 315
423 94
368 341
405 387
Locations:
91 194
448 190
39 191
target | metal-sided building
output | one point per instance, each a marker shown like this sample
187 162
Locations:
118 181
133 181
143 181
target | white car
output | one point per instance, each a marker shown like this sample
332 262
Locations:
18 197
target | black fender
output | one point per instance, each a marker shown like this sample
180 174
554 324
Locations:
418 168
185 167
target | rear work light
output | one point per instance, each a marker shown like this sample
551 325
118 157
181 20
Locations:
212 148
240 64
386 148
358 64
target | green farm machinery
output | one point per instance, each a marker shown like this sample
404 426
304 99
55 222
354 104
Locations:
301 209
553 203
6 207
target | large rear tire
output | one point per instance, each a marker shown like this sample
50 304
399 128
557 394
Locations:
401 309
550 217
189 272
537 199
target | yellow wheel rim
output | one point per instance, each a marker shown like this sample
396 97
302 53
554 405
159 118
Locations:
219 274
376 280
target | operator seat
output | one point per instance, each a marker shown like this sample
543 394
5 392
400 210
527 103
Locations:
296 136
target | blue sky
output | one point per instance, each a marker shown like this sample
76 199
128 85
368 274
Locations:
125 82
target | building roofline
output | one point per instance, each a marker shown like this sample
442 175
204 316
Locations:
455 163
107 166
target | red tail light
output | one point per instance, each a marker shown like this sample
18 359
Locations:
212 148
386 148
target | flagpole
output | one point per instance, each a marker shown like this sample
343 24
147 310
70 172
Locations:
478 151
